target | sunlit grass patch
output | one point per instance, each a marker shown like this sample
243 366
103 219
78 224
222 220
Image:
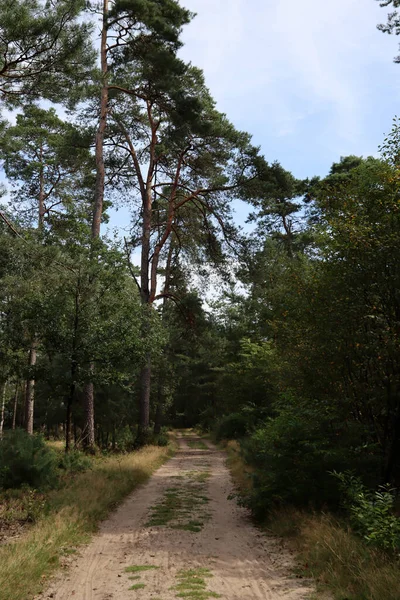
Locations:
138 568
137 586
192 584
183 507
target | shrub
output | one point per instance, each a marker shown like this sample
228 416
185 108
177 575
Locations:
231 427
371 513
75 462
26 460
293 454
162 439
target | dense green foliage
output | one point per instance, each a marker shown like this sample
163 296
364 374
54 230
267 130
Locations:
28 460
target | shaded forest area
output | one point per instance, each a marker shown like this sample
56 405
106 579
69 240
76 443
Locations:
286 338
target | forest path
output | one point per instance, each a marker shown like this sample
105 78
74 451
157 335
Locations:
180 536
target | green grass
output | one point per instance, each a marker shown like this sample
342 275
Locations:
183 507
138 568
192 584
137 586
71 516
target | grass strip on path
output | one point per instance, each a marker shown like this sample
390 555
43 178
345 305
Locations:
192 584
74 513
183 505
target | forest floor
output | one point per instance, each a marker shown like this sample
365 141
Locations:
182 535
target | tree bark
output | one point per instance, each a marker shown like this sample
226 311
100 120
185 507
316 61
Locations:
88 392
160 397
99 144
144 403
159 409
14 421
89 440
3 408
393 459
30 390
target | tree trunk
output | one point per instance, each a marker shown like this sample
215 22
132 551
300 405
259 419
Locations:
89 441
14 421
41 191
144 403
160 399
68 425
159 411
99 144
393 460
88 392
30 390
3 408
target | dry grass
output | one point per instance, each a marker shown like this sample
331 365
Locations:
341 562
74 513
240 471
343 566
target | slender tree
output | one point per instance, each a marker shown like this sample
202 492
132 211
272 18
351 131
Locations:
126 29
181 152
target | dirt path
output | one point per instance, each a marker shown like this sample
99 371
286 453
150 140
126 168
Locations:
180 536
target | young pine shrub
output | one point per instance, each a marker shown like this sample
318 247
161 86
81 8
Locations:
26 460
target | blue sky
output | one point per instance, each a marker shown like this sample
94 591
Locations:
311 80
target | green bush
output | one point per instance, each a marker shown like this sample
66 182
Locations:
371 513
75 462
124 439
26 460
231 427
162 439
293 454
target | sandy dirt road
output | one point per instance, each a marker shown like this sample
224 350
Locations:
181 535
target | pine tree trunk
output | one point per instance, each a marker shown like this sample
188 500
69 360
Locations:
14 421
30 390
68 426
159 411
160 400
89 441
144 402
3 408
88 392
393 459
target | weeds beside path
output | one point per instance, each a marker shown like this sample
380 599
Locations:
73 513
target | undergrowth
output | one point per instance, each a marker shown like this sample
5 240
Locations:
72 514
339 560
